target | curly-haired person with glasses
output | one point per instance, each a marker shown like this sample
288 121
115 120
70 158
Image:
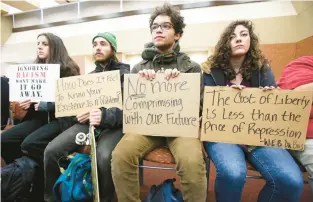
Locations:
163 54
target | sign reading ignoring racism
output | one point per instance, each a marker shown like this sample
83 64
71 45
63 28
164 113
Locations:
79 94
33 81
161 107
275 118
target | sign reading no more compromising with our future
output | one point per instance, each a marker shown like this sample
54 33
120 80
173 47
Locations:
79 94
276 118
33 81
161 107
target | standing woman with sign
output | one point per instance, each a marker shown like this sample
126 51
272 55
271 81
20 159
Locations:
238 62
33 134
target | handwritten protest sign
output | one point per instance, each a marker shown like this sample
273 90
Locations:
162 107
33 81
79 94
276 118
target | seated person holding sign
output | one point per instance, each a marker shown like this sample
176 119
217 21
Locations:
298 75
166 26
108 124
238 62
34 133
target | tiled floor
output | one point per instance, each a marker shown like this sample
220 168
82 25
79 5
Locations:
249 194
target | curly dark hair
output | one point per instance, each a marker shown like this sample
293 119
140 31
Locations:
171 11
254 59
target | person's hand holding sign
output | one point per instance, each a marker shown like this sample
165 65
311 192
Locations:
149 74
95 117
239 87
171 73
266 88
36 106
25 104
83 118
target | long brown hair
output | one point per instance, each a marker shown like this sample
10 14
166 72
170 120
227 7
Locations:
59 55
254 59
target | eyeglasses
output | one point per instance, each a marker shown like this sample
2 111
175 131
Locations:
165 26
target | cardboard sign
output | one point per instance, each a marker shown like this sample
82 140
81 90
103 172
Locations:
33 81
275 118
80 94
168 108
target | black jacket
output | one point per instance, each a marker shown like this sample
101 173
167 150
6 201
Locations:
112 117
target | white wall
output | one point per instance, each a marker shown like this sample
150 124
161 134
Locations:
198 56
132 59
305 23
89 64
204 26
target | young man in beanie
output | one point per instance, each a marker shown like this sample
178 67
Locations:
166 26
108 124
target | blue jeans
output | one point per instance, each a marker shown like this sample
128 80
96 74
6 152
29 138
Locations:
284 182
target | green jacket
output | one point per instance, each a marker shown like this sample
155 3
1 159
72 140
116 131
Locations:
152 59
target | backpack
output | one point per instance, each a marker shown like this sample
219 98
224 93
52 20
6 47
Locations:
75 183
165 192
17 179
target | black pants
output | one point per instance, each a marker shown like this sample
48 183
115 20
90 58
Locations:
12 139
65 144
30 138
